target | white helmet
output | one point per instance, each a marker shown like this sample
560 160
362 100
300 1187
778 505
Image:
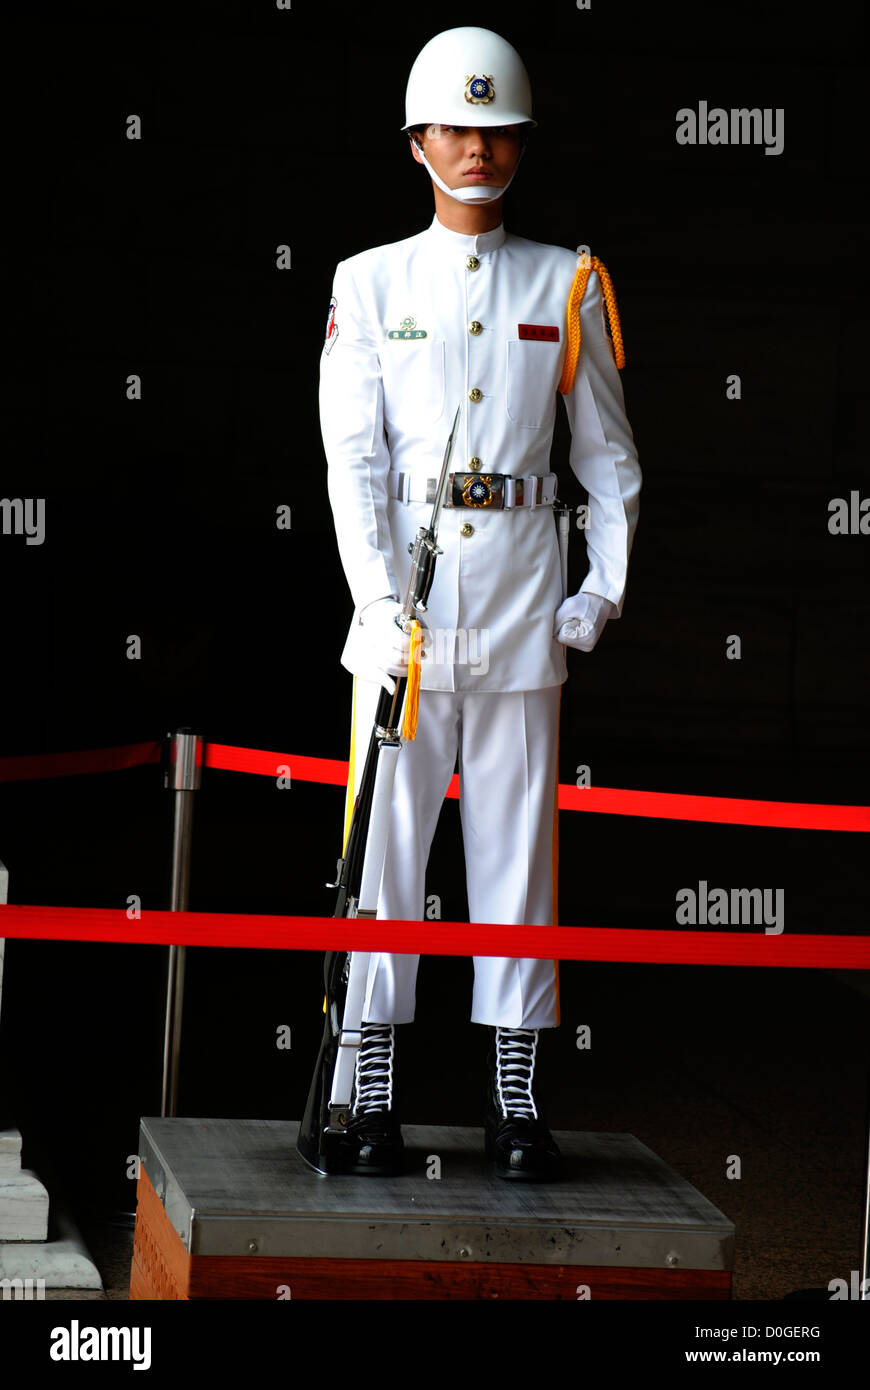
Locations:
468 77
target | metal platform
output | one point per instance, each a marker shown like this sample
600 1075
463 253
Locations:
236 1189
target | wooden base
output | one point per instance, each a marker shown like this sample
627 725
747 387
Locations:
164 1268
161 1265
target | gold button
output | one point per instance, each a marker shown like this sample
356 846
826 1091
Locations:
472 263
475 463
475 328
466 529
475 394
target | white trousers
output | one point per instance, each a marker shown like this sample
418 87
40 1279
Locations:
508 773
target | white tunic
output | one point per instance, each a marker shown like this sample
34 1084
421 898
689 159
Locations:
387 403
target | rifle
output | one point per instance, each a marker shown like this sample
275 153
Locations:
358 880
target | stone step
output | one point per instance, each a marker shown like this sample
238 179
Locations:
10 1152
23 1207
62 1262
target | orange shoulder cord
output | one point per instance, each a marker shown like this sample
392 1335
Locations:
585 266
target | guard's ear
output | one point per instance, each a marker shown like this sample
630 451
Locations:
416 147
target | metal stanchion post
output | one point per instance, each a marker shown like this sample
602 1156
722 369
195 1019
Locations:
863 1289
5 1120
183 776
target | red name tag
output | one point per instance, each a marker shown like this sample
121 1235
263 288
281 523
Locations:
542 332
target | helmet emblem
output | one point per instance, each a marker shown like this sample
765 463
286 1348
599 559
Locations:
479 90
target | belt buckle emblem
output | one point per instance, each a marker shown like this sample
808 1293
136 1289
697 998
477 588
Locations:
477 490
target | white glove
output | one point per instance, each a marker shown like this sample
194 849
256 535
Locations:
581 619
387 647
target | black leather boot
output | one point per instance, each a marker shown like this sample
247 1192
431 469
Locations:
517 1140
373 1140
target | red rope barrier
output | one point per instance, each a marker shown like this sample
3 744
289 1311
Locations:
229 759
267 932
85 760
725 810
613 801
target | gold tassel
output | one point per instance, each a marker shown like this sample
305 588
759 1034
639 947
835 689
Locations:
412 690
586 264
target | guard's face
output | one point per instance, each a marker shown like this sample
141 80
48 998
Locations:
467 156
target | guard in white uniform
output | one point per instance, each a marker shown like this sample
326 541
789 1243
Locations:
466 312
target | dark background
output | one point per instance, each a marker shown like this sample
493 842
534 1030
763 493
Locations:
264 127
